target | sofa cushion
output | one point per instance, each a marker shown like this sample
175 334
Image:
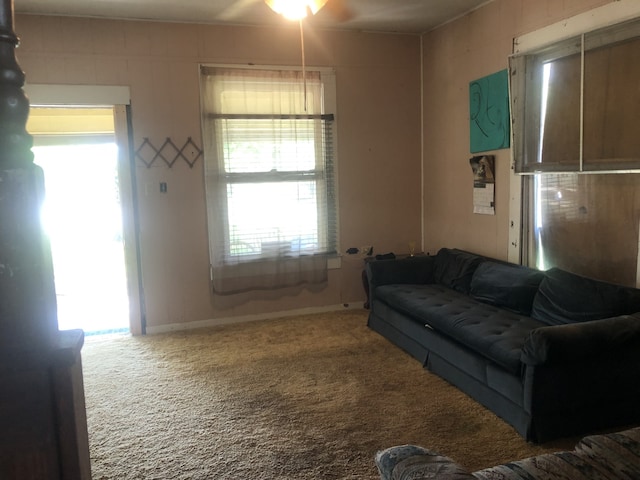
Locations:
494 333
454 268
565 297
506 285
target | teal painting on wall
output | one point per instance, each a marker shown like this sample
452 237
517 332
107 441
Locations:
489 112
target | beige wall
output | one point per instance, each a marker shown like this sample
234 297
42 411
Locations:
378 93
455 54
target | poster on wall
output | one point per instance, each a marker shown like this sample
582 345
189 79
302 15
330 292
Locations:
484 182
489 112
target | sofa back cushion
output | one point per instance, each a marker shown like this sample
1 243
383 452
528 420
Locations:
506 285
565 297
454 268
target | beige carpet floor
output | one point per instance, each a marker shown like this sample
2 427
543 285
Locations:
307 397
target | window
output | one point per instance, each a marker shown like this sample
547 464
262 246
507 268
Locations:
575 113
587 224
270 176
575 103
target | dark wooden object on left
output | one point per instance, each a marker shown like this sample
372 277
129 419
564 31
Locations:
43 426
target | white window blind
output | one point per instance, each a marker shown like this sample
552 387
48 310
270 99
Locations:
271 194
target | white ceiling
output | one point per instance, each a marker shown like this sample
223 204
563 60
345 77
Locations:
408 16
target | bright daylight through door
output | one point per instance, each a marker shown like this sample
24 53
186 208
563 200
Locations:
82 216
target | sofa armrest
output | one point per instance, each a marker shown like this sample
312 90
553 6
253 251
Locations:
561 344
409 462
413 270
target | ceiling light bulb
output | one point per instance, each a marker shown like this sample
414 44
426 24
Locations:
290 9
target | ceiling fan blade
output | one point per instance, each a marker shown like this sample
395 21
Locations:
316 5
339 10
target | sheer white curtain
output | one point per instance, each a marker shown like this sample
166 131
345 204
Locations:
269 178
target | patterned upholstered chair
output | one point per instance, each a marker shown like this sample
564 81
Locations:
613 456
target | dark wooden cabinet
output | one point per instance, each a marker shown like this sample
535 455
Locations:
43 420
70 411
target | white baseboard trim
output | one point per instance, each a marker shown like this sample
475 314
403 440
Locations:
214 322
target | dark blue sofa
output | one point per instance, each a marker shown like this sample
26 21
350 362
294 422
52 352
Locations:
552 353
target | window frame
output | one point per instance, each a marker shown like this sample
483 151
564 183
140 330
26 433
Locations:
528 101
323 178
327 78
520 190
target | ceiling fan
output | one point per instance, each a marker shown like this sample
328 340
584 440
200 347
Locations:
297 9
292 9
